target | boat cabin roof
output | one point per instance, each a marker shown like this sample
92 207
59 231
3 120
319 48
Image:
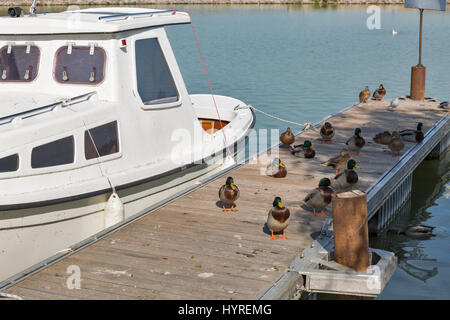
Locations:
91 21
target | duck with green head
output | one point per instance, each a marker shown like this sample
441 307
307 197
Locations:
278 218
356 142
379 93
304 150
413 135
276 169
228 194
348 177
320 197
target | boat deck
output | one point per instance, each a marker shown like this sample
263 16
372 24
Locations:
190 249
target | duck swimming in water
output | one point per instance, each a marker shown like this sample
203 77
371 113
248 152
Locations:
320 197
356 142
417 231
276 169
278 218
228 194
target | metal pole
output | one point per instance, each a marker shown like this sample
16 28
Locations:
420 37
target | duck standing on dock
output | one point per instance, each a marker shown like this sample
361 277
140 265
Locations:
228 194
278 218
364 95
348 177
287 138
276 169
327 132
413 135
379 93
304 150
383 137
339 162
356 142
320 197
396 145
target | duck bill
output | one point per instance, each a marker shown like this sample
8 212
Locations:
358 167
332 185
312 148
232 186
280 205
281 165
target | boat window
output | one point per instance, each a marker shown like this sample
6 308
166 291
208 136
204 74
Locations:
106 141
10 163
155 83
55 153
80 65
19 63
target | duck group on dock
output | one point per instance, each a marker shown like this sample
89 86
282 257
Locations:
343 164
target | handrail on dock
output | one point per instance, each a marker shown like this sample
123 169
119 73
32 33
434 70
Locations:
63 103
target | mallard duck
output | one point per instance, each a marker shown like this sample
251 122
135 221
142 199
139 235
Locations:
276 169
443 105
339 162
228 194
364 95
327 132
304 150
383 137
396 144
413 135
348 177
320 197
278 218
287 138
379 93
417 231
394 103
356 142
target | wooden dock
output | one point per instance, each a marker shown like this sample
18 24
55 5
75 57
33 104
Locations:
190 249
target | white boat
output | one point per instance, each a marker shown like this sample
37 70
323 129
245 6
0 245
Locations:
90 101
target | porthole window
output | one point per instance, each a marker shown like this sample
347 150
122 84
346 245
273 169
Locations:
155 83
19 63
80 65
55 153
106 141
9 163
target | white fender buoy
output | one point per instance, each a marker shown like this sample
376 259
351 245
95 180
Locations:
114 211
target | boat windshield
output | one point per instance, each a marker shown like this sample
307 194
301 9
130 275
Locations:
19 63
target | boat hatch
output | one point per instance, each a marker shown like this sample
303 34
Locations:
211 126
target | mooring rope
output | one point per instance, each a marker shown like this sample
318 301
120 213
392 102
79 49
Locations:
306 125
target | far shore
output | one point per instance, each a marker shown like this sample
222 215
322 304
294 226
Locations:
197 2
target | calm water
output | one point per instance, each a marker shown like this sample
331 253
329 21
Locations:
305 62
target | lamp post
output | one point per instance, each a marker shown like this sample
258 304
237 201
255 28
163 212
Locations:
418 72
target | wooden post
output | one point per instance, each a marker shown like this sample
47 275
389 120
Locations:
351 232
418 73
